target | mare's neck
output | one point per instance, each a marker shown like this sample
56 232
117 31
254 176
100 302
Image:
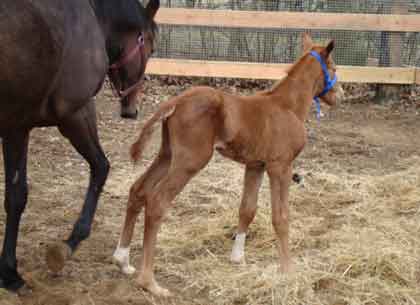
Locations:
105 26
298 88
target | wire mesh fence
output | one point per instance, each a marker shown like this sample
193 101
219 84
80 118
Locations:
356 48
333 6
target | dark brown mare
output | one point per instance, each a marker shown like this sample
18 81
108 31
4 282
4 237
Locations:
265 132
54 57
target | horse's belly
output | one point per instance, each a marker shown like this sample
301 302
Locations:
239 153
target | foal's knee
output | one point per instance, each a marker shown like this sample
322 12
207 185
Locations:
281 223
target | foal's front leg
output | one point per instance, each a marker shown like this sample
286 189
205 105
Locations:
280 178
247 210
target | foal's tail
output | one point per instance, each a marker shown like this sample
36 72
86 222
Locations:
165 110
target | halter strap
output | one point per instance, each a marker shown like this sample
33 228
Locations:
328 82
127 58
139 48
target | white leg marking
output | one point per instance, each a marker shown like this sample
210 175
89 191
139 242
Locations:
122 258
238 250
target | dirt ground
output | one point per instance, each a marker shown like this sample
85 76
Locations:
355 219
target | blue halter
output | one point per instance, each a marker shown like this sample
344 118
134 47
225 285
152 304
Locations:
329 83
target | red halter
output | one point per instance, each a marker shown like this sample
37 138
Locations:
139 48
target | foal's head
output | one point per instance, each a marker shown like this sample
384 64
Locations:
130 29
336 92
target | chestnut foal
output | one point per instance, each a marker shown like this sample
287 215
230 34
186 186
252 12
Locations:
265 132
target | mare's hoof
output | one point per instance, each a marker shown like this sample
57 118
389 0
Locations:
130 116
13 286
57 255
10 279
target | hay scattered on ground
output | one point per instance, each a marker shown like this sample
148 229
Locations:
355 221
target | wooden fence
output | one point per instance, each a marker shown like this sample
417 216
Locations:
394 23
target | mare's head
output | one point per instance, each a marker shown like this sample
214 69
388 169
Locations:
130 32
322 89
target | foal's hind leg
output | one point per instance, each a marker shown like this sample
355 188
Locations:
157 204
248 209
135 204
183 167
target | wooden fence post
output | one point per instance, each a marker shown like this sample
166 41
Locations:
391 55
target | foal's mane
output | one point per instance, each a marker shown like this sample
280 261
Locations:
289 72
125 15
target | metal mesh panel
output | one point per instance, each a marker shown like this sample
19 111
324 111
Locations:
336 6
280 46
358 48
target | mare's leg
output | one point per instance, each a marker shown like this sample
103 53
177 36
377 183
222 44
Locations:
81 130
15 150
136 202
247 210
280 178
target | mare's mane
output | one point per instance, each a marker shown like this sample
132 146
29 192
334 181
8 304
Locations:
124 15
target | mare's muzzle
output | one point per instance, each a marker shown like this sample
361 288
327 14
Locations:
123 62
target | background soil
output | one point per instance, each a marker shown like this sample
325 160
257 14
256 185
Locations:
355 220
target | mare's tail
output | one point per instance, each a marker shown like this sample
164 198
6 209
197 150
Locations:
165 110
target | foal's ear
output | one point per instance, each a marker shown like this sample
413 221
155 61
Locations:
306 42
328 49
152 8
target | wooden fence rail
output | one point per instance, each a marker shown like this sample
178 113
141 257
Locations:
281 20
290 20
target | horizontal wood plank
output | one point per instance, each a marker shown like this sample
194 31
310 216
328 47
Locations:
379 75
418 76
293 20
181 67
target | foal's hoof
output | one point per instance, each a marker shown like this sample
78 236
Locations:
57 255
154 288
236 258
121 262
